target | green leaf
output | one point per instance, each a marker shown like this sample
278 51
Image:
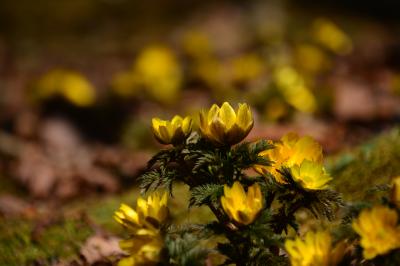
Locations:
205 194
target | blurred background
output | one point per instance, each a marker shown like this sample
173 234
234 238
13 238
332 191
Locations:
81 80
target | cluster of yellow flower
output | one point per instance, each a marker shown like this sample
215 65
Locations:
303 156
225 126
295 161
143 224
378 228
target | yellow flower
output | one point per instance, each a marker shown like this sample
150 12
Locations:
289 151
240 206
378 230
311 59
310 175
395 196
172 132
147 217
142 250
247 68
70 84
331 36
315 250
158 70
224 125
197 44
294 89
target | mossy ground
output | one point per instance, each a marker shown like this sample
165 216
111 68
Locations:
21 242
25 241
358 171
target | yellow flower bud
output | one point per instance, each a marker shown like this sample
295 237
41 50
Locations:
378 230
315 250
222 125
147 217
395 196
172 132
310 175
240 206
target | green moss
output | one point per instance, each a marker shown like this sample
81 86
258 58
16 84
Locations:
374 163
21 245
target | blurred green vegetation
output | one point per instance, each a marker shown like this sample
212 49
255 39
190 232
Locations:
374 163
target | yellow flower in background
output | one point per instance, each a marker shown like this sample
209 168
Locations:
294 90
158 70
147 217
211 71
289 151
197 44
172 132
247 68
240 206
331 36
315 250
378 230
142 250
311 59
222 125
126 83
395 195
310 175
71 85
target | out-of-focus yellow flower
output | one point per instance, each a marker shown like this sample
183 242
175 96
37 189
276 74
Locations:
331 36
246 68
126 84
224 125
294 89
172 132
315 250
311 59
289 151
240 206
211 71
142 250
275 109
395 195
158 70
147 217
197 44
378 230
70 84
310 175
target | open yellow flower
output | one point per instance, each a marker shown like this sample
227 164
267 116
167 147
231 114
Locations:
224 125
147 217
142 250
378 230
240 206
310 175
172 132
315 250
289 151
395 196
